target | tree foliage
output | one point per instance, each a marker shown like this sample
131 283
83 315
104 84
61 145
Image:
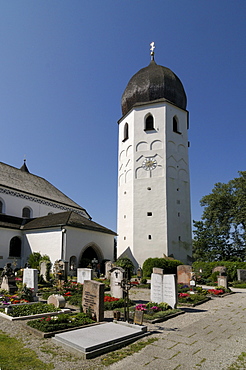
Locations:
220 235
127 265
168 266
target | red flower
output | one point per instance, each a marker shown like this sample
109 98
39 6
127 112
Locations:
110 299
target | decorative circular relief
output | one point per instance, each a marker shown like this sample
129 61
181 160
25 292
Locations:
149 163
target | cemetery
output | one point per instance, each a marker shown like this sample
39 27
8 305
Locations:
103 310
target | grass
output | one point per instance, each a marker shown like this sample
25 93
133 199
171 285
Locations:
240 363
118 355
14 356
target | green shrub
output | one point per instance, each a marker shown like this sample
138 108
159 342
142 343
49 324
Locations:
32 309
109 306
34 260
207 267
127 265
60 322
169 266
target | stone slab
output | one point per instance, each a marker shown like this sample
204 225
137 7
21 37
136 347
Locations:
95 340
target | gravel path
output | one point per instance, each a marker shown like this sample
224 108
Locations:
209 336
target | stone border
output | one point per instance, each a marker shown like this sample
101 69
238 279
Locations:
37 316
193 304
165 318
220 295
53 333
15 304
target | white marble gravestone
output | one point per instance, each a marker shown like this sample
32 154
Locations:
30 278
156 293
170 290
116 277
84 274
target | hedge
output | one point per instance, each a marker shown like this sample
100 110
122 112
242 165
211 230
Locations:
168 266
207 267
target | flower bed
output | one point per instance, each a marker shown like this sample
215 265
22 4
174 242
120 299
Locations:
71 291
188 299
219 292
154 312
35 310
111 303
23 295
51 325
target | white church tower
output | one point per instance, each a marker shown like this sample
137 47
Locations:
154 217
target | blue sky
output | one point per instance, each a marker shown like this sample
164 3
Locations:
65 64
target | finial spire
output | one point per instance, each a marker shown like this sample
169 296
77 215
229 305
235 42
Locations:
152 50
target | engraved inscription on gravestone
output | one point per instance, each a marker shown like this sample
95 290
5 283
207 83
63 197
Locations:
138 317
93 299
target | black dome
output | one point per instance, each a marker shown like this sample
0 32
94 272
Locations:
152 83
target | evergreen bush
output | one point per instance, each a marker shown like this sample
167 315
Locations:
168 266
207 267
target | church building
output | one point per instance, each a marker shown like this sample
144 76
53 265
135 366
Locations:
154 217
37 217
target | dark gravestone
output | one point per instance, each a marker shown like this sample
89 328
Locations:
241 274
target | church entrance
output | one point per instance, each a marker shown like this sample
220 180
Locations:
87 257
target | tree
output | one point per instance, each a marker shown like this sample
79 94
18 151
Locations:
221 233
127 265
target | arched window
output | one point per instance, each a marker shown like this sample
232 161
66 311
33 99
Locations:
126 132
26 212
15 247
149 123
176 125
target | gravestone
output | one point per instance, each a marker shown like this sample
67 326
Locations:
93 299
108 267
57 300
220 269
222 281
184 273
157 270
8 279
241 274
30 278
170 294
44 270
116 276
84 274
156 292
138 317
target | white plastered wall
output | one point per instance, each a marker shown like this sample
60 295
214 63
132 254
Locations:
77 240
5 236
168 230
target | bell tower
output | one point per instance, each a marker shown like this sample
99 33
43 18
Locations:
154 217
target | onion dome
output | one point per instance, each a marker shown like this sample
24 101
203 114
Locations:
152 83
